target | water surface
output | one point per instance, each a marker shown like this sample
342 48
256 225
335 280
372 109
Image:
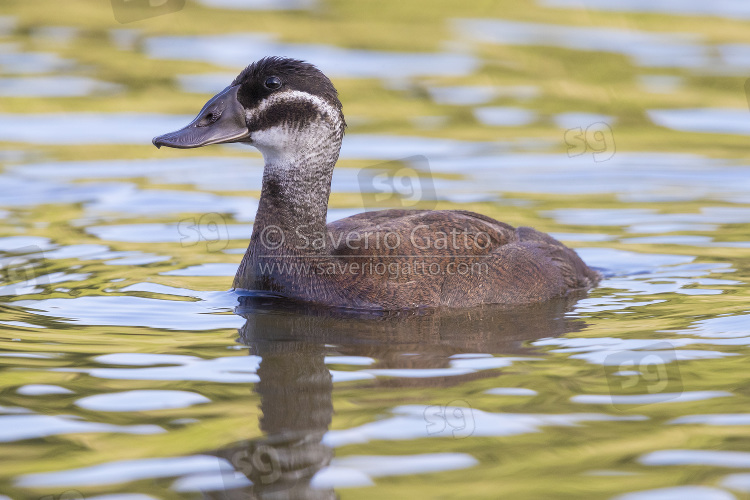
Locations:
129 369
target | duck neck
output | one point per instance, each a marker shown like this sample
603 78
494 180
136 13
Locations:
294 199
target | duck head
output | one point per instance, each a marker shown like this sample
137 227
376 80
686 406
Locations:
278 105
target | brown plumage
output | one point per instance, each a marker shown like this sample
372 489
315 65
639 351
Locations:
505 266
388 260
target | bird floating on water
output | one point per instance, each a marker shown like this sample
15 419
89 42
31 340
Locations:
387 260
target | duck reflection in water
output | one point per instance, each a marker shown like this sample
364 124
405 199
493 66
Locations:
296 388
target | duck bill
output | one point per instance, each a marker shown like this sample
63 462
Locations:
221 120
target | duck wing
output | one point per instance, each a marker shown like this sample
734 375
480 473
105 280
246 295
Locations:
454 258
418 233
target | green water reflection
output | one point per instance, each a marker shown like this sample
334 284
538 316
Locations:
622 130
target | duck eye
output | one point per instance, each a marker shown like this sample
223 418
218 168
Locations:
272 82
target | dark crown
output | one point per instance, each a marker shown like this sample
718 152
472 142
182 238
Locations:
294 75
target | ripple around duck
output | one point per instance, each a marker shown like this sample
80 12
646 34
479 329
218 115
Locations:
414 422
133 311
232 369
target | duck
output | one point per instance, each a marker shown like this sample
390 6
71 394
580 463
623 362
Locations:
386 260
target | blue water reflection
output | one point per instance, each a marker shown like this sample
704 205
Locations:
129 368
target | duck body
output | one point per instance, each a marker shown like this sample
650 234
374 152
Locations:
403 259
389 259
